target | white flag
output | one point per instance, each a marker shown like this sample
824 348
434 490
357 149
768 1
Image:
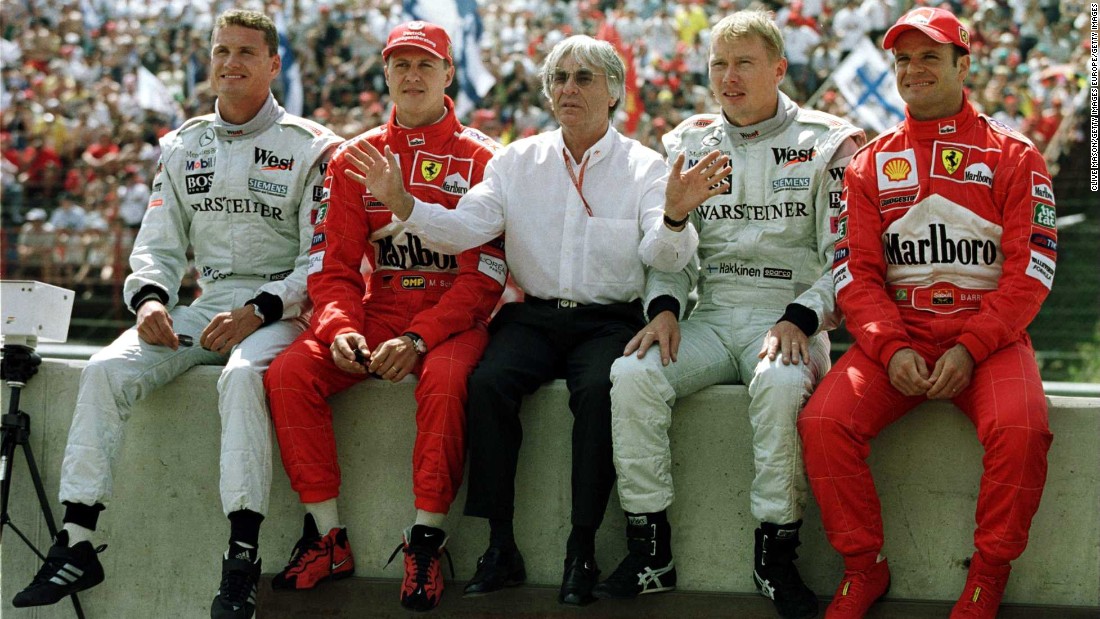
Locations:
866 81
153 95
462 22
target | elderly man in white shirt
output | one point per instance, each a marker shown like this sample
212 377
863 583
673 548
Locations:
573 205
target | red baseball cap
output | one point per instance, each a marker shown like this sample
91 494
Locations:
420 34
939 24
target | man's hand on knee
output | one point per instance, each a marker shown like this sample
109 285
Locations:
663 330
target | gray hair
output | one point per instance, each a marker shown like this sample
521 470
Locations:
750 23
600 56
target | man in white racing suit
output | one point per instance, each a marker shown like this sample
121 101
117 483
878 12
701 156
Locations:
239 186
765 300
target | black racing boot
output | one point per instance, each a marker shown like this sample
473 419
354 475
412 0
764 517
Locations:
774 572
648 566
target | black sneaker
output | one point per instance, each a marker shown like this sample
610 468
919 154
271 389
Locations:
636 575
236 596
65 572
424 548
496 569
775 574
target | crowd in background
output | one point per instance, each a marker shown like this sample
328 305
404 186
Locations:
79 132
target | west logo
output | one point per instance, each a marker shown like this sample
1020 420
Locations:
837 174
199 183
271 161
791 156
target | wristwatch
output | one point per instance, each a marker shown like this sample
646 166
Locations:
418 342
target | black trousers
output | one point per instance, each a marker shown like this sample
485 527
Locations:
531 343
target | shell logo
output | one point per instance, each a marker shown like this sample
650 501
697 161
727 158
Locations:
897 169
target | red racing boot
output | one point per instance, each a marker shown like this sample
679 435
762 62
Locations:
859 590
985 585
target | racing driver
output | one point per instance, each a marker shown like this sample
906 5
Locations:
238 186
947 251
766 299
418 312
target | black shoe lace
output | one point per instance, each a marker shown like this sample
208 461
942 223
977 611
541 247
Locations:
303 546
422 558
236 586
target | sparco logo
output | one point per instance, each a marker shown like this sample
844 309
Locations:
199 183
412 254
271 161
773 273
791 156
938 248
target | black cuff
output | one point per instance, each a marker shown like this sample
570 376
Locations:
803 317
663 303
270 306
83 515
146 290
676 223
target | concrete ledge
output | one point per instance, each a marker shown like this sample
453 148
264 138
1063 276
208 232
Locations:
166 531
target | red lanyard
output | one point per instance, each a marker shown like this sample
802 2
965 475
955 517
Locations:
578 183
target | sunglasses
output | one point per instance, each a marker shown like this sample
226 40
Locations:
581 77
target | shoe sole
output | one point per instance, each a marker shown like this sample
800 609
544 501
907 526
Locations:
507 584
69 593
605 595
329 578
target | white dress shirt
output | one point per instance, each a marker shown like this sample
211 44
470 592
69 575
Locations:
555 249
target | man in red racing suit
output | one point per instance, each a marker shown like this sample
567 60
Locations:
419 312
947 251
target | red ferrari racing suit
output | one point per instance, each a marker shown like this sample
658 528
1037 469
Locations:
947 237
445 299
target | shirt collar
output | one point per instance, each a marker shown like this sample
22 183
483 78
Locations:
942 128
785 110
268 114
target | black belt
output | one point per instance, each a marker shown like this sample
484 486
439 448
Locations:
558 303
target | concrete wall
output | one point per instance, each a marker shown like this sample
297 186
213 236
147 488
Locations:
165 529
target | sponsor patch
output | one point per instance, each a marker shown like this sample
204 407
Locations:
207 138
280 276
773 273
834 199
271 189
416 139
1041 268
834 224
897 200
1044 215
202 163
319 193
318 215
198 183
371 204
413 282
943 296
947 127
714 139
1040 187
1043 241
951 158
841 277
155 202
901 294
318 241
836 174
842 228
787 157
896 170
702 122
271 161
792 184
840 254
456 185
316 262
430 169
494 267
978 173
750 136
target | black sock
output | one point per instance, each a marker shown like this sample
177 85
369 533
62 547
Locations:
83 515
582 542
244 531
501 534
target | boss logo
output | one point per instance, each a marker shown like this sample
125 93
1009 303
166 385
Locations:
199 183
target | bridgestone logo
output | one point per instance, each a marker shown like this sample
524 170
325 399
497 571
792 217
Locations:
938 248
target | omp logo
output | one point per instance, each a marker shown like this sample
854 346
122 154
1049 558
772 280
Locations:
978 173
199 164
269 160
792 156
199 183
897 169
413 282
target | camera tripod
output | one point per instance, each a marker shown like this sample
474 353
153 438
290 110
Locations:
19 364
